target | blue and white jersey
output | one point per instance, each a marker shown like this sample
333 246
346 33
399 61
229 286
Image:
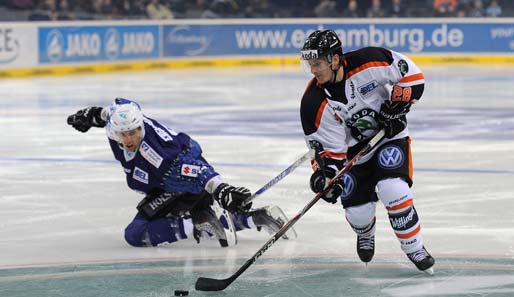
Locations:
165 160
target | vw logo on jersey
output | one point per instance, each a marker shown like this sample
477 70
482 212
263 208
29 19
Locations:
349 185
390 157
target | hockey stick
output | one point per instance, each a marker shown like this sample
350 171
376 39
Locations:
280 176
211 284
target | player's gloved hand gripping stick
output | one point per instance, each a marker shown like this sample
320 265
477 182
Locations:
211 284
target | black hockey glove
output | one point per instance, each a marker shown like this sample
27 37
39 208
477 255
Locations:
86 118
232 198
392 117
320 178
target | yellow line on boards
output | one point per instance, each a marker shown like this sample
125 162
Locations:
228 62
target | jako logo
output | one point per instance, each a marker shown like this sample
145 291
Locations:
54 45
112 43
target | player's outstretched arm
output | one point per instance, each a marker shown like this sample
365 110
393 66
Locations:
86 118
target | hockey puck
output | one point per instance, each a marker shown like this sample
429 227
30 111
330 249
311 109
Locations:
181 292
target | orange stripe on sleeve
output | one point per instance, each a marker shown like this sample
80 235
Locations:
314 165
366 66
413 77
320 113
333 155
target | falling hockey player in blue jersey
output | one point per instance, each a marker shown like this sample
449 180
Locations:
182 190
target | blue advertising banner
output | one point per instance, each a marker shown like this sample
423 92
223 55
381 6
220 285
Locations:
97 43
191 40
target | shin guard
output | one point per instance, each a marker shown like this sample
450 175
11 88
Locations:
362 219
396 196
407 228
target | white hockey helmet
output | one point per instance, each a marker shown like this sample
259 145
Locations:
125 115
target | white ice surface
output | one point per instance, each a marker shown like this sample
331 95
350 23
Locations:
64 200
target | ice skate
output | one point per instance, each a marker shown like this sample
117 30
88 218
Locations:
423 260
271 219
366 248
206 220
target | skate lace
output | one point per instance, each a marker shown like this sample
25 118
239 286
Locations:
418 256
366 243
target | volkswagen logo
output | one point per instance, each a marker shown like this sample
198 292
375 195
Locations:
390 157
349 185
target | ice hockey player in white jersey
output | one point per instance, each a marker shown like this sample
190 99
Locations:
351 97
182 190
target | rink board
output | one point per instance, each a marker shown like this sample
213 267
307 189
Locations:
46 48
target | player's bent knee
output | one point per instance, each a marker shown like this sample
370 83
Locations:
135 234
395 194
360 215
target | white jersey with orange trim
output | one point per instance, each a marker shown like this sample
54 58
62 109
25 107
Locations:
343 115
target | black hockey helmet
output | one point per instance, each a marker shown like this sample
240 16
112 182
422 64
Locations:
322 44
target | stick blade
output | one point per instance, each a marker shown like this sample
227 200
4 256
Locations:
211 284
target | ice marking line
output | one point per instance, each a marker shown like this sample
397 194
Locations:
243 165
56 160
92 272
480 171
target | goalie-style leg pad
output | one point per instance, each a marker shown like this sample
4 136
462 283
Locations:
396 196
142 232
